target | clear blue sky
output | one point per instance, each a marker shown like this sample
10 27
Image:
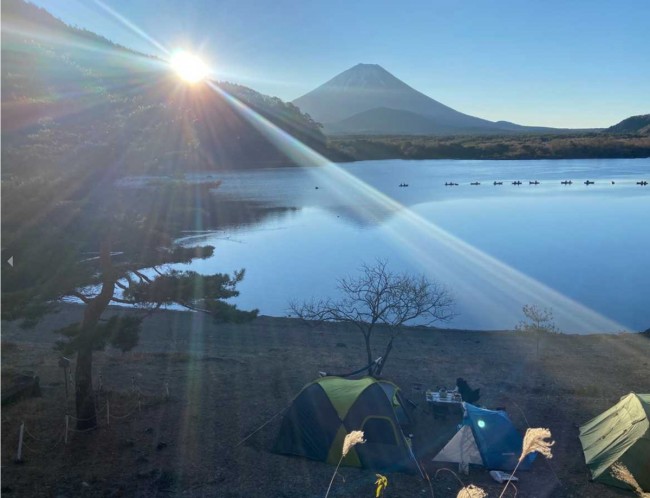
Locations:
563 63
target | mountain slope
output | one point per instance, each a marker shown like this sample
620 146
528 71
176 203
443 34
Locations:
634 124
71 98
369 86
383 121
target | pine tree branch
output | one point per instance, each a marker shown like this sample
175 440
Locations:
85 299
121 286
152 311
123 301
194 308
142 277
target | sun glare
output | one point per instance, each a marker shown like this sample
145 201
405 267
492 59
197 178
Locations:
189 67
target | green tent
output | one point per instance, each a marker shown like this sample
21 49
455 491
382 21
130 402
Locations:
321 415
620 434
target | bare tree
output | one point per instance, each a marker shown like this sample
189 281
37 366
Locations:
379 297
539 321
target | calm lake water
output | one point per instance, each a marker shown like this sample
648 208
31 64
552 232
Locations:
580 250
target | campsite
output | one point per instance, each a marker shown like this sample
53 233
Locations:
204 388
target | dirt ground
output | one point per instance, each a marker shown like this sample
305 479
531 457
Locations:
226 381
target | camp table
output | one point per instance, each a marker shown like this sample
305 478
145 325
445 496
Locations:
439 402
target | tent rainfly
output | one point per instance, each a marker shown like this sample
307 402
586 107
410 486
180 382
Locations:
487 438
619 434
326 410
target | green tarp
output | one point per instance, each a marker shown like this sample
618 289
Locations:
620 434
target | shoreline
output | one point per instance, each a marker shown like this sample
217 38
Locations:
71 312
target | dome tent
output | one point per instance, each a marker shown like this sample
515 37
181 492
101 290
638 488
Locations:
619 434
326 410
487 438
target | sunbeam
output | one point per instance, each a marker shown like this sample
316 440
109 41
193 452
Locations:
509 281
123 20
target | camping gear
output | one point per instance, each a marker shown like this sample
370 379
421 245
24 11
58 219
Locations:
467 393
440 401
619 434
502 477
485 437
316 423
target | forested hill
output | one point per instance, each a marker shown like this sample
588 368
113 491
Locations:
634 124
73 98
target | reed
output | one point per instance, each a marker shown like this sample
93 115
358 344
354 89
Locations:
351 439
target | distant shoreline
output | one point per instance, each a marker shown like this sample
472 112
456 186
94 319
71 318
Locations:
72 312
501 147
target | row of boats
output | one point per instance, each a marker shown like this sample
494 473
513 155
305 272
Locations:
534 182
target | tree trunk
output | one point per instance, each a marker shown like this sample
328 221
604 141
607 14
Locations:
389 348
84 399
368 352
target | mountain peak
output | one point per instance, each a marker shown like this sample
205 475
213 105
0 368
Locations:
365 77
364 87
364 65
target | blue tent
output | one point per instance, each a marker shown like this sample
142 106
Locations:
485 437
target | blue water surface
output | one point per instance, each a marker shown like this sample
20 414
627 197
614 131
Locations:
579 250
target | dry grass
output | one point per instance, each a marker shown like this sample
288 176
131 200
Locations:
257 370
621 472
351 439
471 491
534 440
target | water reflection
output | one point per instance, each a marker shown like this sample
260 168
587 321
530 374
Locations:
587 243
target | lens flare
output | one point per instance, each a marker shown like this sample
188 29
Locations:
189 67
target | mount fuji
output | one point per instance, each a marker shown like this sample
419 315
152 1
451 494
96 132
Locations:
367 99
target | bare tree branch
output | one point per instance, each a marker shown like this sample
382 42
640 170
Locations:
379 297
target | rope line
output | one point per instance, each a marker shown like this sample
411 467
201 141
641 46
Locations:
83 430
80 419
26 446
118 417
261 427
32 435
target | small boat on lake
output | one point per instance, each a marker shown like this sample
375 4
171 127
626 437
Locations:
566 182
517 182
475 183
589 182
497 183
533 183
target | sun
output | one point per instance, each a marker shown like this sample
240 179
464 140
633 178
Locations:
189 67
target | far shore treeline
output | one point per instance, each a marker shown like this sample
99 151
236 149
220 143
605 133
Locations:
592 145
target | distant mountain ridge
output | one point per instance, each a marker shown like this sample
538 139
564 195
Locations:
634 124
367 99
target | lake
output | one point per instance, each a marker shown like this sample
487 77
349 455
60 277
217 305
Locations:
579 250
